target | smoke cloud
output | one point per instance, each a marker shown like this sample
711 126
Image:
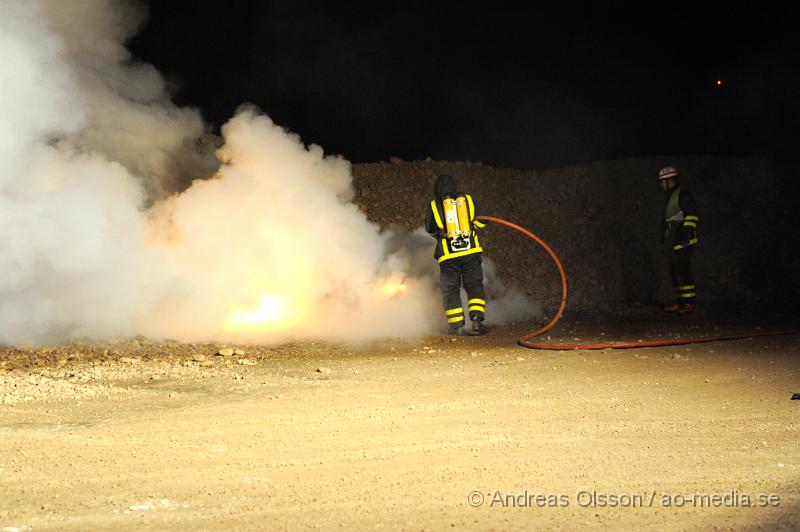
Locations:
112 223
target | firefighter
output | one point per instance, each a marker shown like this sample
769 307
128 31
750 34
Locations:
679 236
451 220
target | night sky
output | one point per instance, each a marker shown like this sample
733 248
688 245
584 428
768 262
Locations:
527 87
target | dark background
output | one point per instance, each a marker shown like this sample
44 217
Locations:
528 86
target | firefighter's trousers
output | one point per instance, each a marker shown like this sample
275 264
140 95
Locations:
466 270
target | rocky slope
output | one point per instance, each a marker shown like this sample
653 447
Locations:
602 221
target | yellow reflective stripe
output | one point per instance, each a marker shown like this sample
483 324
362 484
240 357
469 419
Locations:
688 295
471 207
690 217
477 307
436 215
681 246
476 300
459 310
687 287
459 253
689 224
479 224
456 319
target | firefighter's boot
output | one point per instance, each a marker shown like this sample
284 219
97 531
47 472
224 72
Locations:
478 327
456 330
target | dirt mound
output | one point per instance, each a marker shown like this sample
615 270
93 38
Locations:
602 221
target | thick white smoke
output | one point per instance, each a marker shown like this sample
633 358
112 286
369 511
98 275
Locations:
276 223
102 235
130 118
71 230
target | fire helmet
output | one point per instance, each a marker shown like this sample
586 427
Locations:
445 186
667 172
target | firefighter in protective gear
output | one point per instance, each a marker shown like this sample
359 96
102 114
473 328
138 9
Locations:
451 220
679 222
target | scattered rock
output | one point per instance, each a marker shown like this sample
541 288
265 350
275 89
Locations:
198 358
323 370
225 352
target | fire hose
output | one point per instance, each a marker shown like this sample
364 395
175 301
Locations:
525 340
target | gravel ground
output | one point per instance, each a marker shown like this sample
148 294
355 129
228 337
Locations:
442 432
438 433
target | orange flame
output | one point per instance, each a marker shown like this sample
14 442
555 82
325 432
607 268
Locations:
394 286
271 310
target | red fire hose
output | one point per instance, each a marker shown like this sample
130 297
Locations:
525 339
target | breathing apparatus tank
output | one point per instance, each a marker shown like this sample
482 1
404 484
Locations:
451 217
463 216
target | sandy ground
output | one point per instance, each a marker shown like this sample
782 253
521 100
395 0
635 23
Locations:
473 433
